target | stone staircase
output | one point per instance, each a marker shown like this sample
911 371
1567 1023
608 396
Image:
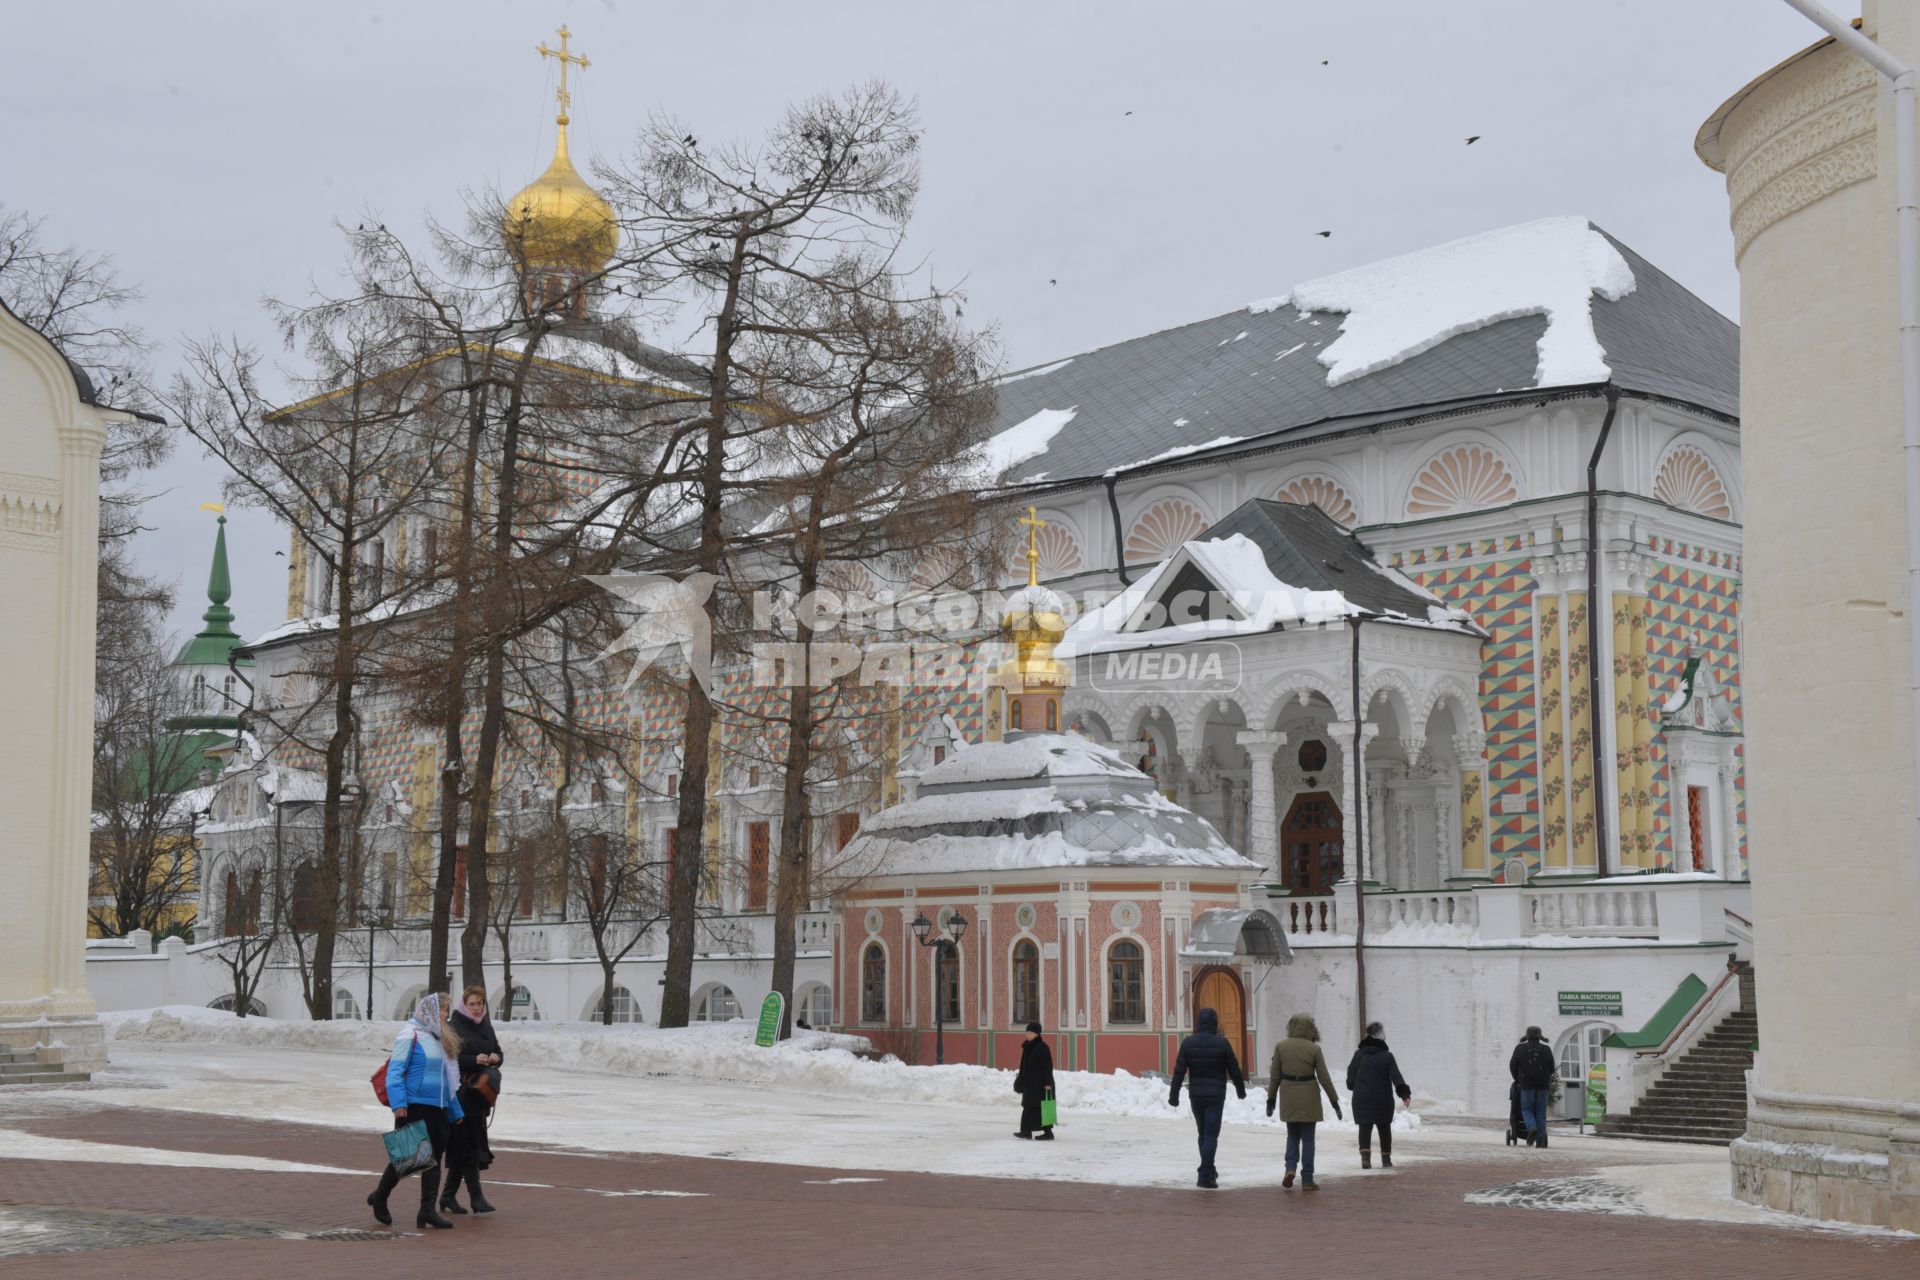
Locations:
1702 1098
23 1066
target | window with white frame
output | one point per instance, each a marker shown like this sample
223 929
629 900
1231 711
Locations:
717 1005
1026 982
625 1007
814 1005
343 1004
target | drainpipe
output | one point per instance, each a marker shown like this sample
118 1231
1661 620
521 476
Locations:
1119 537
1359 869
1593 631
1907 218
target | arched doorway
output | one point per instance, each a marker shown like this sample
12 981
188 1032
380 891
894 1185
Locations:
1219 989
1311 851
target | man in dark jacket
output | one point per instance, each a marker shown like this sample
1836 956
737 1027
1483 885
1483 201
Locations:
1205 1063
1373 1078
1533 1069
1033 1082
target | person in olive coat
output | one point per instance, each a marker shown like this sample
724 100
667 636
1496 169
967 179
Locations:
468 1153
1298 1065
1033 1082
1373 1078
1205 1063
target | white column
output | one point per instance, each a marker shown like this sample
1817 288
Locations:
1351 792
1728 845
1263 817
72 747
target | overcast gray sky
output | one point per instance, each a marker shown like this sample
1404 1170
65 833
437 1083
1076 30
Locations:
210 147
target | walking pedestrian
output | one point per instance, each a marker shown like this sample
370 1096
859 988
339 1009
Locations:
1533 1069
422 1084
1373 1078
1298 1065
468 1151
1033 1082
1205 1063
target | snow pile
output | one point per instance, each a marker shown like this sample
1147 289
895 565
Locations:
1021 442
1179 451
811 1062
966 806
1403 306
1037 371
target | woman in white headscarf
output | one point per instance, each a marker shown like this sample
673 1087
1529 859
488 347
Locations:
423 1083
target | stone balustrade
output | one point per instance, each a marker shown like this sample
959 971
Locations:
1656 909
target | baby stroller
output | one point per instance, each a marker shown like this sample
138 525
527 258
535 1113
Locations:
1517 1130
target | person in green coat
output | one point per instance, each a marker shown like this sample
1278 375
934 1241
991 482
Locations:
1298 1074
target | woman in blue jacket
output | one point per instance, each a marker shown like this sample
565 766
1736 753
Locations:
422 1084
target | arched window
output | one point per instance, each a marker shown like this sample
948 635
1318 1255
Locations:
717 1005
1014 721
343 1004
814 1005
1126 979
625 1007
873 983
1026 982
1053 715
947 969
515 1006
225 1003
1580 1049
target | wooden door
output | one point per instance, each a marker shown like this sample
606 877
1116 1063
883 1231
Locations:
759 855
1311 850
1219 990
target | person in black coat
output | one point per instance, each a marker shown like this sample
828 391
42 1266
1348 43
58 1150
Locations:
1205 1063
1033 1082
1373 1078
468 1152
1533 1069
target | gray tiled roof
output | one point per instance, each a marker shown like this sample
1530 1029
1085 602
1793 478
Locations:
1305 547
1240 374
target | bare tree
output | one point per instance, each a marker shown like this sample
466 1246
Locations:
146 802
755 242
248 936
78 299
617 893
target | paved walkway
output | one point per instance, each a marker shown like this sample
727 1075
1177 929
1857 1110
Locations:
620 1215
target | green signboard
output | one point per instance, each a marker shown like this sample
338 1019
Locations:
1590 1004
1596 1093
770 1010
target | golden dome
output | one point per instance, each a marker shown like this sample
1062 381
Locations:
558 221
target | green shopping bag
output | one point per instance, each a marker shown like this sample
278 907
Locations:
408 1147
1049 1111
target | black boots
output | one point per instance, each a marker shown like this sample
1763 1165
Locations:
429 1189
1366 1158
480 1205
388 1181
1386 1159
448 1201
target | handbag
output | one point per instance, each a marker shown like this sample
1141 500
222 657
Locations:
486 1083
409 1148
379 1082
1049 1111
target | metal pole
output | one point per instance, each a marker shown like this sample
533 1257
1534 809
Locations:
1359 867
1907 218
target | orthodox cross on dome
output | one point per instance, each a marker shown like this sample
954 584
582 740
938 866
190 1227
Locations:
1034 524
561 95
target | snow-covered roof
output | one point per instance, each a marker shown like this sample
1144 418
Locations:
1034 801
1278 565
1400 307
1489 318
1028 758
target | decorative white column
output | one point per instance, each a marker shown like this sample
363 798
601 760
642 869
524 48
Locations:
1729 842
72 745
1470 749
1263 818
1351 792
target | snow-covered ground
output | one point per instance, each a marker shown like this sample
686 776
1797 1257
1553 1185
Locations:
708 1091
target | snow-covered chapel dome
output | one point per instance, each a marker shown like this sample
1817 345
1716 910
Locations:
1036 800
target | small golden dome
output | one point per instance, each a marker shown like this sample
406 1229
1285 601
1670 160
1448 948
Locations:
559 222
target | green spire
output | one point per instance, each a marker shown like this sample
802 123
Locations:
216 638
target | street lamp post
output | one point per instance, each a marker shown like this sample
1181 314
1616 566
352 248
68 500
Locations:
944 949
